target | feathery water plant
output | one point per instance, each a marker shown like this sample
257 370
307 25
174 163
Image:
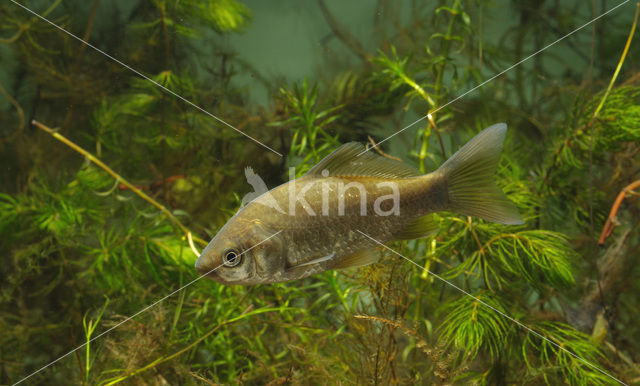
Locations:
72 234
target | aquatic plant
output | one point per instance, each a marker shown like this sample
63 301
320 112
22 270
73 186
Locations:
84 249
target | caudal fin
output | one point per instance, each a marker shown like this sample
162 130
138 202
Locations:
469 175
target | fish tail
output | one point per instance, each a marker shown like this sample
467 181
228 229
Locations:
469 179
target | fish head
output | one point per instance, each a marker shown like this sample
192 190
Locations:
243 252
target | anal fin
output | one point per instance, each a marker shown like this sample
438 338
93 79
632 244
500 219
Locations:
424 226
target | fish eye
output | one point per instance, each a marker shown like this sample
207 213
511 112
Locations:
231 258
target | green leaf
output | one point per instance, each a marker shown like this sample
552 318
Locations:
473 327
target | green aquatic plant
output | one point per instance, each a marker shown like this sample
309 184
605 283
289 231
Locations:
472 326
72 233
89 329
310 139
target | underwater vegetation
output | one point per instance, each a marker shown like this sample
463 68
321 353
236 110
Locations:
114 175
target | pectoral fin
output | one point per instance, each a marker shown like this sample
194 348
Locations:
316 261
358 259
424 226
307 268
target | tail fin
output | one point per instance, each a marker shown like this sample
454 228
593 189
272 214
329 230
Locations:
469 175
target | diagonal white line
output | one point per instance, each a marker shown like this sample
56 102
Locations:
495 76
136 314
496 310
144 76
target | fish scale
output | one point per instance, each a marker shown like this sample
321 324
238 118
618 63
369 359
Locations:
308 235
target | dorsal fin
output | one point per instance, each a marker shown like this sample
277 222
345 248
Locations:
345 161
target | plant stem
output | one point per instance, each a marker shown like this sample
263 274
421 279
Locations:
433 123
445 50
593 118
18 110
440 75
87 31
623 56
343 34
118 178
610 224
418 88
246 313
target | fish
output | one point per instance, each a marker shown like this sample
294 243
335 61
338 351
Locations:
334 216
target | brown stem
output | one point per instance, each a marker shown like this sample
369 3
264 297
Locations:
595 116
75 344
374 146
18 110
155 184
437 130
611 220
475 236
345 37
89 28
611 266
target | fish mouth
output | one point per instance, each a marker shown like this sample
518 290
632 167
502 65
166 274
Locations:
209 271
204 268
